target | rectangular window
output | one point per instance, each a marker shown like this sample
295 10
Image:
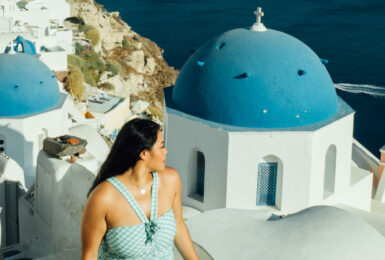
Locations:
266 184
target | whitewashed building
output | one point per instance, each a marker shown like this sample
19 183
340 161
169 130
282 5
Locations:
41 22
31 109
254 120
8 9
32 183
50 213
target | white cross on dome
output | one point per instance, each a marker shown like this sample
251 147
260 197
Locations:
258 26
12 45
259 14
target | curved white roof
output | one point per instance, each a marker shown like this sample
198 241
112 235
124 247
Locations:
316 233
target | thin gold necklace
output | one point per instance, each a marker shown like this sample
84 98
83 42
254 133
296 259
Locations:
141 188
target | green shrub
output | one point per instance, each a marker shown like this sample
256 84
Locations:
91 33
76 61
79 48
114 67
90 77
94 61
125 42
74 83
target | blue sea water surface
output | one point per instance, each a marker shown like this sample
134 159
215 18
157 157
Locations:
348 33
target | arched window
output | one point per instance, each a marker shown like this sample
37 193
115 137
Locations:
2 144
197 176
269 182
20 47
200 172
330 171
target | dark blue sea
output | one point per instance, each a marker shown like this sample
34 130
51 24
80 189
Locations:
350 34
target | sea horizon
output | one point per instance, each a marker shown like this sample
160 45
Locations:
346 33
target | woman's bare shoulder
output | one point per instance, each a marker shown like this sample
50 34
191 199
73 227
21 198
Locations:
103 195
169 175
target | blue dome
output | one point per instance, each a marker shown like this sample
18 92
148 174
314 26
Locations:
26 46
27 85
255 79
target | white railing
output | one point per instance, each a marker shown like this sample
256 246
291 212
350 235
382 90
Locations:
364 158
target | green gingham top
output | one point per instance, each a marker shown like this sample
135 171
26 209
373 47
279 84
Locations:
151 240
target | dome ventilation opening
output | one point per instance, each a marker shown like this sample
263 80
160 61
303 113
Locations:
41 82
301 72
242 76
16 86
221 45
200 63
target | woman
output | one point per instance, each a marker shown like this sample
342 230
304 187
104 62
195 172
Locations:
134 207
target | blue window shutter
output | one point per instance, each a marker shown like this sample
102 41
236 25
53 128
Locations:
266 184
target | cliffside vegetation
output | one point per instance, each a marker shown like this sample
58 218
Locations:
91 33
116 59
74 83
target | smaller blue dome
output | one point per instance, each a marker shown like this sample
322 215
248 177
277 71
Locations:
27 85
22 45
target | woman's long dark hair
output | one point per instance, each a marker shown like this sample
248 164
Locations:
134 137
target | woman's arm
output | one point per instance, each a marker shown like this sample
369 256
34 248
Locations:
182 236
93 226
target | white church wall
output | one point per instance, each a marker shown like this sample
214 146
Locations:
184 138
12 129
247 149
337 134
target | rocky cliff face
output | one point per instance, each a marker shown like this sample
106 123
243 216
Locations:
144 71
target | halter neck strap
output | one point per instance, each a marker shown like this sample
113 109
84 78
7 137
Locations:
133 203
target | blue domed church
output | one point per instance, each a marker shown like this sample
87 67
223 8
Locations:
254 120
31 108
